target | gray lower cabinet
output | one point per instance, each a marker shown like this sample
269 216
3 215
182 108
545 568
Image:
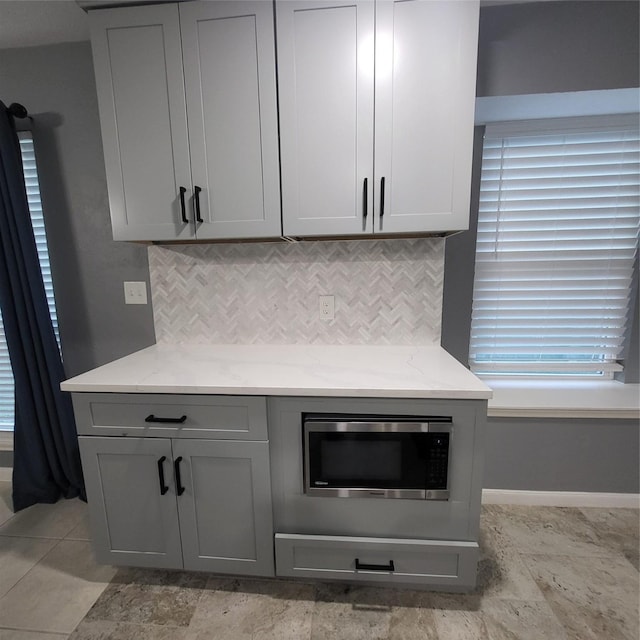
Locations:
225 510
196 482
179 503
421 543
133 520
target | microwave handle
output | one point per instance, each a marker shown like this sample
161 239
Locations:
361 566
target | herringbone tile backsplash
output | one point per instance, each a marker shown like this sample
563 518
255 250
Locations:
386 292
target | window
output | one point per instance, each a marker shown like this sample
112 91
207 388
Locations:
557 240
37 220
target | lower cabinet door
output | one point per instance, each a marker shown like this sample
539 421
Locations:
224 504
445 564
132 501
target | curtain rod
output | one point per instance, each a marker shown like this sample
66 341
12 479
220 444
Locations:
17 110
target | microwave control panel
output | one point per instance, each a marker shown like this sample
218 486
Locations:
438 461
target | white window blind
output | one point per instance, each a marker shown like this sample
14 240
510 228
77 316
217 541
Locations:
557 239
35 209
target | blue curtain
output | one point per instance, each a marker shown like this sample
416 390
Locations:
46 460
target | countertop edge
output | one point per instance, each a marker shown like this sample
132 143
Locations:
266 391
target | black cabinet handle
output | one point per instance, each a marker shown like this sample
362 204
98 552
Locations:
176 468
183 210
365 200
361 566
382 181
152 418
163 486
196 203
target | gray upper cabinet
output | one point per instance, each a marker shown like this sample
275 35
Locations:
376 115
138 64
326 117
208 64
376 104
230 75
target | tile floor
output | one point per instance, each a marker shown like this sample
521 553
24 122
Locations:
545 573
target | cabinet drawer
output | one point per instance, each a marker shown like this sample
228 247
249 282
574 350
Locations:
176 416
438 563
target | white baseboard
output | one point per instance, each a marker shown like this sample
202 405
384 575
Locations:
561 498
5 474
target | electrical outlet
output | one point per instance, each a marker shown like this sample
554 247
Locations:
135 293
327 307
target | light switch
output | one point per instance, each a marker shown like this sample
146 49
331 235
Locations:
135 293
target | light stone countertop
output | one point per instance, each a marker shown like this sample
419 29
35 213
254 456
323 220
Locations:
287 370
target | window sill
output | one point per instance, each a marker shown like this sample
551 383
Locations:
563 399
6 440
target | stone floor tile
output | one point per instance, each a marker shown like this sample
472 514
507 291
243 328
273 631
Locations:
254 609
508 619
18 556
412 623
543 530
350 622
499 620
544 573
6 503
594 598
352 612
106 630
16 634
502 573
45 520
618 528
81 531
57 592
460 625
155 597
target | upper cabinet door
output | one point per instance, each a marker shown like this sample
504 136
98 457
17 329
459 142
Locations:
325 82
425 95
229 64
138 65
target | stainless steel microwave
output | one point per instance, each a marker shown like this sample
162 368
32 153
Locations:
377 457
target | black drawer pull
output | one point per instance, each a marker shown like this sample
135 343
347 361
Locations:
365 200
382 184
196 202
176 468
163 486
361 566
152 418
183 210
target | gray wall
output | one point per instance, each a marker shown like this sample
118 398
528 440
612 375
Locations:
562 455
542 48
56 84
549 47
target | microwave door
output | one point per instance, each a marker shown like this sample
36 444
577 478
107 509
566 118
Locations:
365 464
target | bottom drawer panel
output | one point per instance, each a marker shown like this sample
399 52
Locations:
437 563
